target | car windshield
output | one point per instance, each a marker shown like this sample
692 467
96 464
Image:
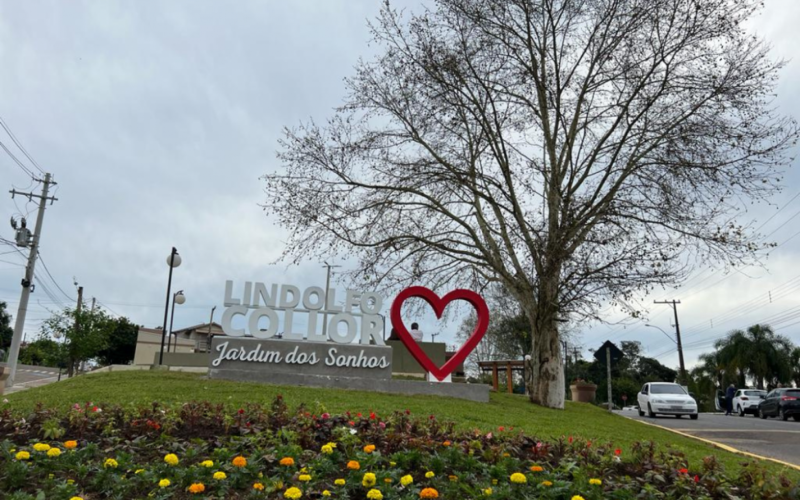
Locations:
754 393
666 389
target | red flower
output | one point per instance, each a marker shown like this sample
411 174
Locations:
352 423
358 414
95 409
432 417
570 440
588 444
617 452
372 415
241 411
408 412
326 416
501 428
683 471
696 478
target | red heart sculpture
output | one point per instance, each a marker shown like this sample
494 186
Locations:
438 305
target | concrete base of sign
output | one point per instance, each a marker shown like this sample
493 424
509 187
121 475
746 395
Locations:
472 392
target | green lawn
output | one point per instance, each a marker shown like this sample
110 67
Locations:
579 420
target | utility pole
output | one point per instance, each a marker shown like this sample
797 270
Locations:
674 304
27 281
325 299
208 337
608 369
78 308
566 366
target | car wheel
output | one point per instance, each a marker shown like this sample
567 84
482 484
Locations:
762 414
741 411
677 416
641 412
783 415
694 417
796 418
650 411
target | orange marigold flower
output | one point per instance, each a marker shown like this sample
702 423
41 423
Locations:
197 488
353 465
447 443
258 486
429 493
536 468
239 461
369 448
70 445
287 461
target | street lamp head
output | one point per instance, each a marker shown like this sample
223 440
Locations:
180 298
174 260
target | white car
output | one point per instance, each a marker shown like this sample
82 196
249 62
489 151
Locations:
666 398
746 401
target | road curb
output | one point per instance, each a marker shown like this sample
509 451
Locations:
720 445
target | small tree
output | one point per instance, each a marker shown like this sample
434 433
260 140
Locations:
85 333
571 151
121 346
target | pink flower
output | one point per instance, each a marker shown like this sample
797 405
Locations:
381 425
326 416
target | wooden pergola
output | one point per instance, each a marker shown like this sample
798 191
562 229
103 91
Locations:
509 366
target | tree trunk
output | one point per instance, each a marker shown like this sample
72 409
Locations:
546 386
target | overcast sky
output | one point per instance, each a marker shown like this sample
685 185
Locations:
157 119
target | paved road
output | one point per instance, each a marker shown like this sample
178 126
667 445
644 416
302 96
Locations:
32 376
770 438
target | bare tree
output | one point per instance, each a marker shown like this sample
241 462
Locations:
573 151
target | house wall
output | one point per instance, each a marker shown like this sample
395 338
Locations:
148 344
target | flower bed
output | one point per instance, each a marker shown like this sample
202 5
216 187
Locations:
199 450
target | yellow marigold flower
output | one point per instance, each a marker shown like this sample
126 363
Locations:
369 448
577 497
339 482
70 445
41 447
293 493
506 455
76 498
219 475
70 481
353 465
368 480
197 488
536 468
487 491
518 478
447 443
452 478
429 493
494 482
406 480
392 464
595 482
239 461
374 494
304 478
164 483
547 483
327 449
53 452
258 486
207 463
326 493
429 474
138 471
171 459
287 461
387 480
110 463
304 470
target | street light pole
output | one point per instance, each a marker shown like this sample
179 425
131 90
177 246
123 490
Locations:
174 260
180 298
674 304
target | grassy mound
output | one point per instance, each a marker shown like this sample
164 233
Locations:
504 410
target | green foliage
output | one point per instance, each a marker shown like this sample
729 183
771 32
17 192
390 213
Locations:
6 331
275 448
43 351
121 345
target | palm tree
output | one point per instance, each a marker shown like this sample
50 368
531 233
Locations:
758 353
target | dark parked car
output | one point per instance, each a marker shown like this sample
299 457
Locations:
782 403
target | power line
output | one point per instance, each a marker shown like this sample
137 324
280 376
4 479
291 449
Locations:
19 163
46 270
21 148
